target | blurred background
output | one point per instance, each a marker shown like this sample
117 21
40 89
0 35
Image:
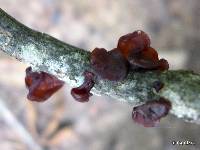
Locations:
101 124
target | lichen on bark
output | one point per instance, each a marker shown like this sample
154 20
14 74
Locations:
45 53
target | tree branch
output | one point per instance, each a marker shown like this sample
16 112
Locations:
45 53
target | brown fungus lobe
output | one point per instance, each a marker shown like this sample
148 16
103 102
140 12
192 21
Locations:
135 47
143 64
82 93
150 113
41 85
133 43
108 65
147 60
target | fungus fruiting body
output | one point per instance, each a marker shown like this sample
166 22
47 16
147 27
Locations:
108 65
133 43
41 85
135 47
150 113
82 93
133 52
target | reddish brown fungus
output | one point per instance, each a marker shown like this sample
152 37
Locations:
109 65
139 63
149 114
149 54
133 43
163 65
82 93
41 85
135 47
148 60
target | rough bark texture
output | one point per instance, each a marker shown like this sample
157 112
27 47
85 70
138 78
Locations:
45 53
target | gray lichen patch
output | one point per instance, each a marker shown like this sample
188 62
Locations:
5 38
30 54
135 89
179 107
182 89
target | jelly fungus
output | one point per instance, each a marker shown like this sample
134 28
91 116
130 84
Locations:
135 47
149 114
82 93
163 65
147 60
133 43
41 85
109 65
149 54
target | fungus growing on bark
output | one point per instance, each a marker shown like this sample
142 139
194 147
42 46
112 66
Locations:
135 47
139 63
82 93
150 113
163 65
133 43
133 53
41 85
109 65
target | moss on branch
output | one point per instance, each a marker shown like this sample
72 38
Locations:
45 53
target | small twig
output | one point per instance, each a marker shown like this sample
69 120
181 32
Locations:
45 53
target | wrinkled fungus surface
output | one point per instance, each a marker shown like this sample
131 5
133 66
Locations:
133 53
147 59
133 43
41 85
109 65
82 93
135 47
149 114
